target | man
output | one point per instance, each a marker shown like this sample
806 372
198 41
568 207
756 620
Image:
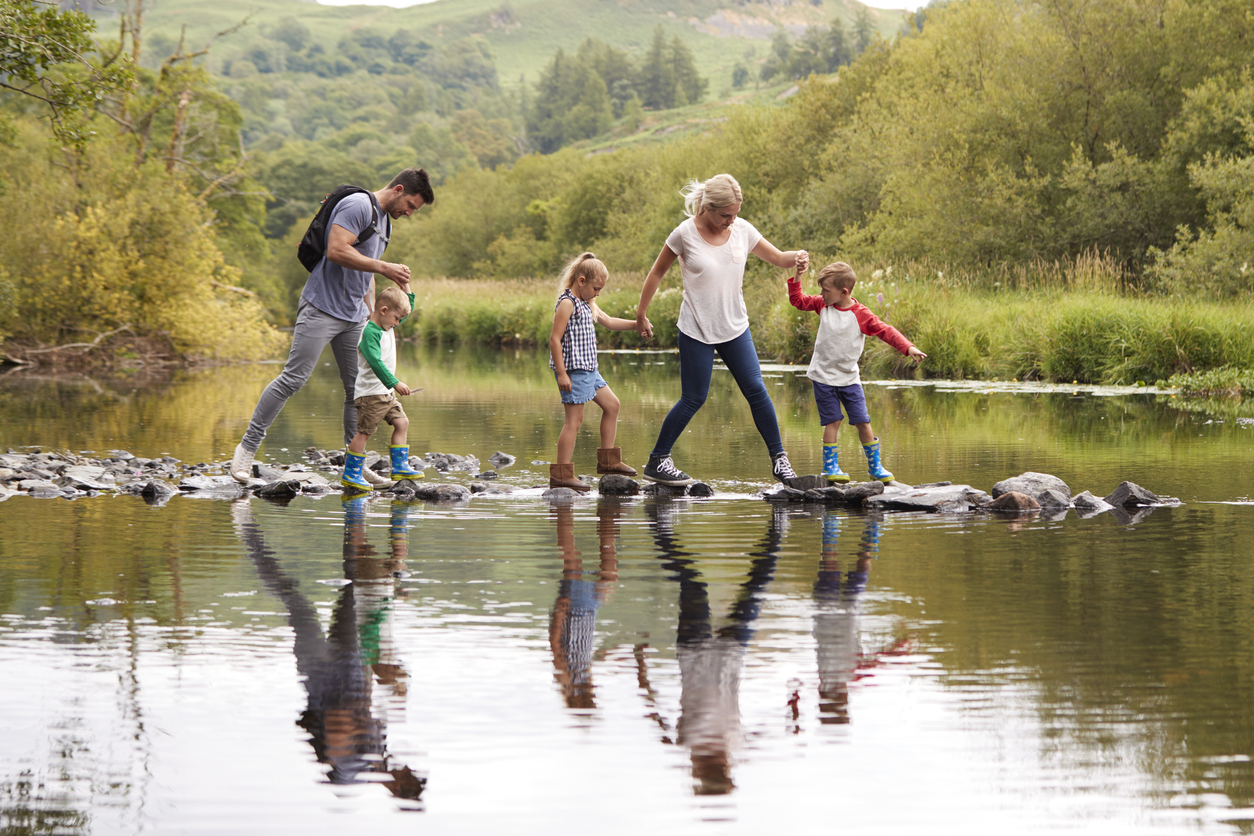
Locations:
337 299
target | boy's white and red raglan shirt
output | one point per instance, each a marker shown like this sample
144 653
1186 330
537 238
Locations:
842 334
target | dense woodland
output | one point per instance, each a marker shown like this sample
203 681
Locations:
980 138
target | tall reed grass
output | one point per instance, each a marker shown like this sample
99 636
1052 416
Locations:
1073 322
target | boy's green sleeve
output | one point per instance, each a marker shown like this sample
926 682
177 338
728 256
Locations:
411 305
369 348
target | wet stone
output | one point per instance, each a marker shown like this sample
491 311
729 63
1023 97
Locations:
561 494
1131 495
286 488
946 497
488 475
501 460
807 483
1051 499
1015 502
700 489
854 494
1086 503
1032 484
616 484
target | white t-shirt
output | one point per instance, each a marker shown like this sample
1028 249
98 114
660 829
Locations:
713 310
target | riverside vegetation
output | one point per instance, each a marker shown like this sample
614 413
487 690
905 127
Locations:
1059 192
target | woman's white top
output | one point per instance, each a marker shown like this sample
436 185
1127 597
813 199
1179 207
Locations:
713 309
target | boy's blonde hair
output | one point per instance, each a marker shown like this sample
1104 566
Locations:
586 266
838 275
394 298
719 191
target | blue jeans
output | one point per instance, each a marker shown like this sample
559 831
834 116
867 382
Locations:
696 365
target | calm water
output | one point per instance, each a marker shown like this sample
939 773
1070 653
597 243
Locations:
625 666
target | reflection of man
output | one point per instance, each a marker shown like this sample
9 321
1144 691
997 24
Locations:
336 668
338 296
710 660
836 617
572 626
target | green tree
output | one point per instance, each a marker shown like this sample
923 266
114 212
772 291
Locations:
47 54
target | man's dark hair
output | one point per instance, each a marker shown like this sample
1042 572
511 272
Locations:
415 181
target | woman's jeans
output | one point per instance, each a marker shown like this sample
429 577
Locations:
696 365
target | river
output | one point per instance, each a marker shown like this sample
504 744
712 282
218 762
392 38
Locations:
689 666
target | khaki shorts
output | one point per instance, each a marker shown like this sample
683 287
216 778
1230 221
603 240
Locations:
374 409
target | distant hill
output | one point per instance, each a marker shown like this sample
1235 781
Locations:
523 34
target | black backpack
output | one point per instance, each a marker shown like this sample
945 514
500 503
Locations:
313 246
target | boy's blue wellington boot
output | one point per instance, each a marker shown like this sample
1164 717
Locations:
873 465
352 477
831 466
400 465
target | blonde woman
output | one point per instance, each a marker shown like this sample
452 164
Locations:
712 246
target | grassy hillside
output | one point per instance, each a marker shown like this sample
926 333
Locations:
523 34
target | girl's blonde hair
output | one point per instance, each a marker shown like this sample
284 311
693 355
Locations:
719 191
586 266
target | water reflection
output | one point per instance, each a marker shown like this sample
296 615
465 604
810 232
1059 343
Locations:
340 668
572 624
711 659
837 599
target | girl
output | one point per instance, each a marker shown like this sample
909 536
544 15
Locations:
573 359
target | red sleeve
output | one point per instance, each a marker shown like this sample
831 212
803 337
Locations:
802 302
873 326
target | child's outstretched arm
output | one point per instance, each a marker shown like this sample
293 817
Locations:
873 326
614 323
561 318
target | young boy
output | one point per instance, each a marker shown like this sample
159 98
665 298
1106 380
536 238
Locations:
843 326
376 380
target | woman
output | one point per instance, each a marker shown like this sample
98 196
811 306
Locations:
712 246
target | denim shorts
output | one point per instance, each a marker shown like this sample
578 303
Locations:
829 399
584 384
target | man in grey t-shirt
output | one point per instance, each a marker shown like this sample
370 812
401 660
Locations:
336 301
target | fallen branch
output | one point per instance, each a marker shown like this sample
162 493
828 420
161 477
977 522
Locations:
84 346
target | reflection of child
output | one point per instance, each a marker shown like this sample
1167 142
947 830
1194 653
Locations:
843 326
573 358
376 380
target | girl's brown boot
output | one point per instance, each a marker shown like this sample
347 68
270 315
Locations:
610 460
563 476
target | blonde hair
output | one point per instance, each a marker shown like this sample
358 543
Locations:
394 298
719 191
838 275
586 266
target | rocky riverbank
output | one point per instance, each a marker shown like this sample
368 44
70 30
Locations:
62 475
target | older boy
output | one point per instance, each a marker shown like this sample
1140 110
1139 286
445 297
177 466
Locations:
843 327
376 382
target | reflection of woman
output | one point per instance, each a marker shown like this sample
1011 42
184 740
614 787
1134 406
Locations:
712 247
710 660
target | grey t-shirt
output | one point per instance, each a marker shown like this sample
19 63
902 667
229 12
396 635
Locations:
336 290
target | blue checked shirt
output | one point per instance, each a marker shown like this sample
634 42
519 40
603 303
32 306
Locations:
579 343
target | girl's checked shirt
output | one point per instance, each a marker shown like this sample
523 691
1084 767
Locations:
579 342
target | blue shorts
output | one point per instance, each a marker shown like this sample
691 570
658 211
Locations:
829 399
584 384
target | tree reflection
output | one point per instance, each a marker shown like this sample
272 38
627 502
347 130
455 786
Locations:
339 669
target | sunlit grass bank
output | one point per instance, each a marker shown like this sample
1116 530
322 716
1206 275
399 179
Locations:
1065 330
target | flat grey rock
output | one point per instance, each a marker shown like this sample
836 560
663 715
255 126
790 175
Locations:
946 497
501 460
